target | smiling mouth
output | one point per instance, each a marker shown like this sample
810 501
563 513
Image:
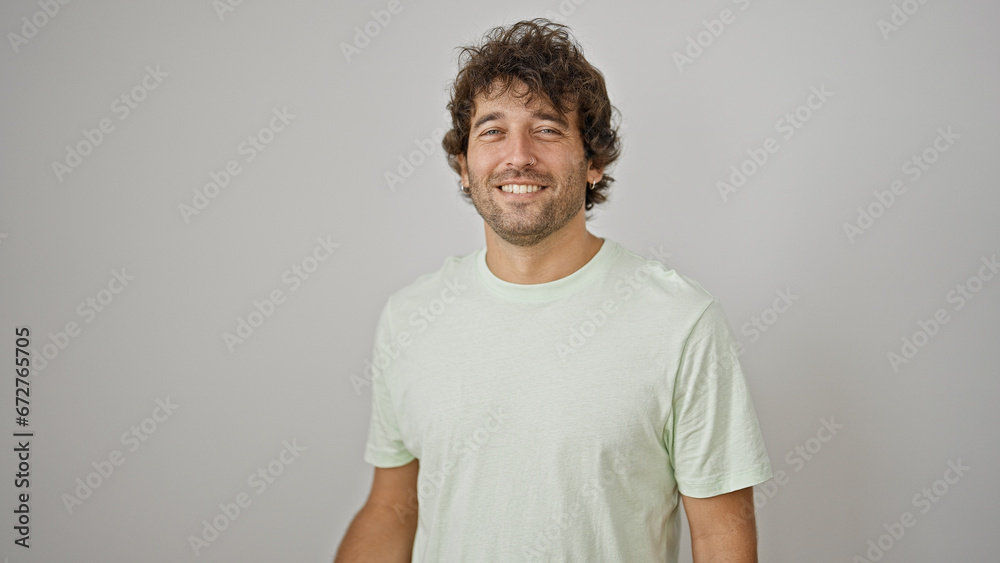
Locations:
521 188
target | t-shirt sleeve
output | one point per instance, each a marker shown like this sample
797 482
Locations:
713 437
385 446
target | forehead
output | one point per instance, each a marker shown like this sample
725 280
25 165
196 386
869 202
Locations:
500 100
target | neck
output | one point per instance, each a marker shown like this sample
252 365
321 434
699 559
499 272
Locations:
556 257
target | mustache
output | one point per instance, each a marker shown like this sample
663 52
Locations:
538 178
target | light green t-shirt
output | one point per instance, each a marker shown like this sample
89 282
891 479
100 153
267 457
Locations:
559 421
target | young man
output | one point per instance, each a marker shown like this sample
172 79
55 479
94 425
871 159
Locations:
552 396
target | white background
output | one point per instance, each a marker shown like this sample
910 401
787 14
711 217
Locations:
685 124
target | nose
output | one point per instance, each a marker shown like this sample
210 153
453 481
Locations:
520 152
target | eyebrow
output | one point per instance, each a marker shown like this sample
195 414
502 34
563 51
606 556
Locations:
544 115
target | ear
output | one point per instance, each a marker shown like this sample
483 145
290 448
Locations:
463 169
594 174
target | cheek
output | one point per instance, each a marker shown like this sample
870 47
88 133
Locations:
562 157
481 163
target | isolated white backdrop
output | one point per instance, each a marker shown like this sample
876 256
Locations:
199 79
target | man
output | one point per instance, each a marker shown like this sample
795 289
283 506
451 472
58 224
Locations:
551 397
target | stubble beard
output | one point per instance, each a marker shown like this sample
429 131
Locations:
528 223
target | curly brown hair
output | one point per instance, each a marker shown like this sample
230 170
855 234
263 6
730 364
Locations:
545 57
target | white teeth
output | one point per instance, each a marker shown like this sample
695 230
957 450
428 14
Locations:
519 188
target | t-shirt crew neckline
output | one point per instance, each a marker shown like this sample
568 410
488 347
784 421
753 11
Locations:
593 269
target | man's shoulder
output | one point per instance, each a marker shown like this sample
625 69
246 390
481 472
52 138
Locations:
656 280
454 275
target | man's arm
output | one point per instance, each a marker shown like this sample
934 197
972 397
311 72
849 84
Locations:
385 527
723 527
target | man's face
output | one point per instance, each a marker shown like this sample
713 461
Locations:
518 147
